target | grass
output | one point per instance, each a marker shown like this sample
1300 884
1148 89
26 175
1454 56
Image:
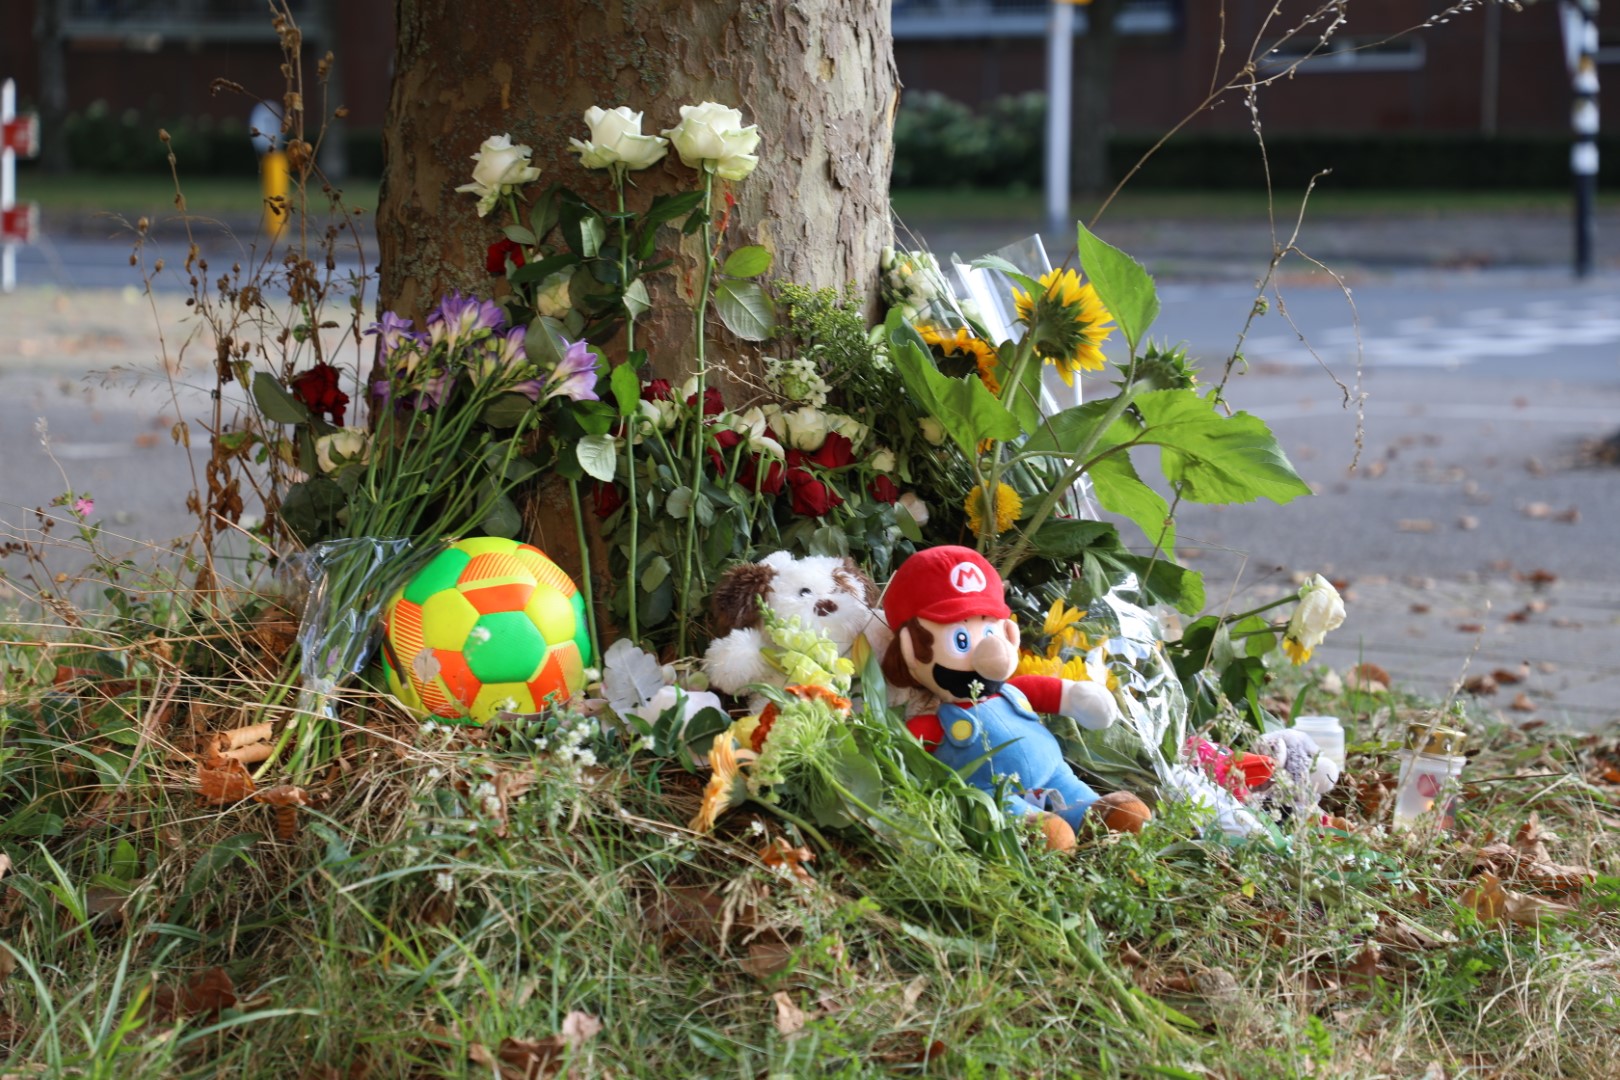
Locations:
150 194
447 898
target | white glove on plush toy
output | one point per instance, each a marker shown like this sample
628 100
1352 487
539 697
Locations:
1090 705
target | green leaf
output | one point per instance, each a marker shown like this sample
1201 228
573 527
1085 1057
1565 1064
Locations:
1124 287
747 262
275 402
626 385
745 309
541 269
598 456
126 862
636 300
506 411
908 524
543 341
1118 488
1216 458
1066 540
519 235
592 231
669 207
656 573
502 518
969 412
543 217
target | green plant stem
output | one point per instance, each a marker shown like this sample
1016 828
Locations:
634 584
585 564
683 636
1020 548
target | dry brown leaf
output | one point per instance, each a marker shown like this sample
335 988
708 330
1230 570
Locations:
283 795
5 864
1415 525
1493 903
1538 577
225 783
1366 965
789 1017
687 913
1522 703
1572 516
1479 684
1367 679
1536 510
781 853
1181 983
1419 609
231 740
1471 628
207 993
1531 839
914 1048
766 958
536 1059
1399 934
1505 677
105 900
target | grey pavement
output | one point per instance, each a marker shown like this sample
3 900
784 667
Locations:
1465 524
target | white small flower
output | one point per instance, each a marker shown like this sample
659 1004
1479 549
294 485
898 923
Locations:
712 137
617 141
501 167
796 380
491 806
757 827
804 428
882 460
932 430
444 881
346 446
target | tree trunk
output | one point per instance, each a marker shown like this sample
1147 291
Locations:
1092 101
817 77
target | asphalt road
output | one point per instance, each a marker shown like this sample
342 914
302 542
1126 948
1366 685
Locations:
1442 420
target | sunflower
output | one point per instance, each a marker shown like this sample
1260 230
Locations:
1059 627
725 788
1008 506
1068 321
1034 664
963 343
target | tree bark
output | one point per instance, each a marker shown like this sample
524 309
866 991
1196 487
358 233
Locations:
1093 98
52 47
817 77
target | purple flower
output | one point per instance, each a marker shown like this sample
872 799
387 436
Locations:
459 317
433 390
391 330
575 376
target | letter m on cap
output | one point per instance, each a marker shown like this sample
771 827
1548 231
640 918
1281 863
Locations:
967 578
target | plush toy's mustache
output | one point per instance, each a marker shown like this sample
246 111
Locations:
961 684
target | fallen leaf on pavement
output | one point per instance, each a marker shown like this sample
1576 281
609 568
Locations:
1538 577
1414 525
1367 679
1471 628
1522 703
1572 516
1479 684
1505 677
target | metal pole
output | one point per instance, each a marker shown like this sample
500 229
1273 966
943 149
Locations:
1059 105
1580 44
8 186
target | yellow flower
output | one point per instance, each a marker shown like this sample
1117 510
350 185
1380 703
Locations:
964 343
1069 323
1008 507
725 788
1031 664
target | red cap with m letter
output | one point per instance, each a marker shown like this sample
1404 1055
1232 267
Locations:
943 584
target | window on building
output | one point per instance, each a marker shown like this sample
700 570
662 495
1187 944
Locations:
1343 53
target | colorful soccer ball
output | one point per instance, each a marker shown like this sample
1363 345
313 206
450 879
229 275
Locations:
488 625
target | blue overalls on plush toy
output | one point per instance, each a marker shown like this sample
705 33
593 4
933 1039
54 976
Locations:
1033 756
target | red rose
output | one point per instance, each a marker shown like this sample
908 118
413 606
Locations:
884 490
811 497
318 389
769 484
713 403
608 497
657 390
499 252
835 453
726 440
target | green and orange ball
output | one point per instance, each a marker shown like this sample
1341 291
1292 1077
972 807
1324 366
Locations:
489 625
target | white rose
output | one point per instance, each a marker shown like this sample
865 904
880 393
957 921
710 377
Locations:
1320 610
711 136
764 444
341 448
932 430
552 296
850 428
915 507
882 460
805 428
616 140
500 168
750 422
661 413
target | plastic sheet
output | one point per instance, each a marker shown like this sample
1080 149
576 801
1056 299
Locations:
348 581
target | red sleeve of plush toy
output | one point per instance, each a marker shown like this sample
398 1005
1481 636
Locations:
1045 692
927 728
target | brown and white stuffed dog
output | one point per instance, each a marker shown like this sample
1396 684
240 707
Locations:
825 593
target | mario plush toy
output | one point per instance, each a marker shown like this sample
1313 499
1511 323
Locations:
954 637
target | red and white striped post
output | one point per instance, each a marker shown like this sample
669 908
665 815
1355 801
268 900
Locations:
18 224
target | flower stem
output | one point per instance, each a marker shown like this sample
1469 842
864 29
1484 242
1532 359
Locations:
634 583
697 423
585 564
